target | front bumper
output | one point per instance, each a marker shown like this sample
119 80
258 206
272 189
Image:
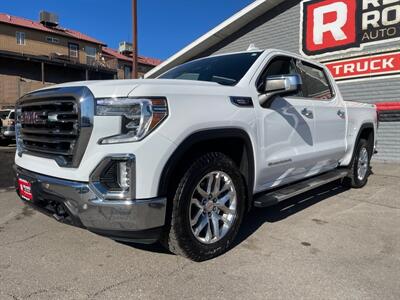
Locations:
74 202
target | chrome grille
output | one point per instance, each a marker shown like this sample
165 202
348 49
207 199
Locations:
55 124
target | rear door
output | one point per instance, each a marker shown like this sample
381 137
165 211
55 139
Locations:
287 131
330 116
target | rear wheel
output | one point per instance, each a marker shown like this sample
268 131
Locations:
360 167
208 208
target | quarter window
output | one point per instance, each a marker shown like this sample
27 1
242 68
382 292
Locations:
315 82
73 50
20 38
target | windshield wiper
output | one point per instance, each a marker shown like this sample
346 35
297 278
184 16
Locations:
223 80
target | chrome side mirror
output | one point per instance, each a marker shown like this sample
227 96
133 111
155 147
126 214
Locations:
279 85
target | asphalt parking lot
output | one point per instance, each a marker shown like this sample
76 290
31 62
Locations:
328 244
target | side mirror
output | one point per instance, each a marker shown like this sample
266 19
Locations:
279 85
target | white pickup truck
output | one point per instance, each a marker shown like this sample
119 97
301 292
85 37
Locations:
180 159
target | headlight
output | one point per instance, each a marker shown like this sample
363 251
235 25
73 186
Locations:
139 116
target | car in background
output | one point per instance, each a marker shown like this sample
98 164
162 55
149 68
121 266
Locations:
7 134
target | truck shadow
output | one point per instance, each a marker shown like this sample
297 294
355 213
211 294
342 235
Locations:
257 217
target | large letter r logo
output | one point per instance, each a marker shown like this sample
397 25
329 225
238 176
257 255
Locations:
321 26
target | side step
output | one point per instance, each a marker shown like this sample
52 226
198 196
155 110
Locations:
291 190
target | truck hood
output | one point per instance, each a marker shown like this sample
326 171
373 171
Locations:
123 88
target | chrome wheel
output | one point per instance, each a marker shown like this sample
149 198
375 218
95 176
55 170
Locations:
362 164
213 207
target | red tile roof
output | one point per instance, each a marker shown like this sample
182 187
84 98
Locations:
141 59
17 21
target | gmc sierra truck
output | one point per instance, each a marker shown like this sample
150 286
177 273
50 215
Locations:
180 159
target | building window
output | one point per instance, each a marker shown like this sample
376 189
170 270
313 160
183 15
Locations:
20 38
127 72
73 50
53 40
90 55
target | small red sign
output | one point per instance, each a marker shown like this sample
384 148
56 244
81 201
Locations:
366 66
25 189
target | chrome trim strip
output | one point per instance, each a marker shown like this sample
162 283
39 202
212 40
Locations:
101 191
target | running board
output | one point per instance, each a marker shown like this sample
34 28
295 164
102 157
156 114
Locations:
276 196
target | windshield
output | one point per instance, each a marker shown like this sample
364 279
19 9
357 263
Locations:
225 69
4 114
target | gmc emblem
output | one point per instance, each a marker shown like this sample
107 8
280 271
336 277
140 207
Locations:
33 117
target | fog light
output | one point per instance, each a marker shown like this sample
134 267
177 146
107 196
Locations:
113 178
124 175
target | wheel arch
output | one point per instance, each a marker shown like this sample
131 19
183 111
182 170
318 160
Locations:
367 132
220 140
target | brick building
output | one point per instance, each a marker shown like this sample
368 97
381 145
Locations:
123 63
34 54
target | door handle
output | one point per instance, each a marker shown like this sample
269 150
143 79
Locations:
308 113
341 113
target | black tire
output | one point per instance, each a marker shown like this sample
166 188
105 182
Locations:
354 180
179 237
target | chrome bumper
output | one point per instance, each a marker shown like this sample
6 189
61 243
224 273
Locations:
139 220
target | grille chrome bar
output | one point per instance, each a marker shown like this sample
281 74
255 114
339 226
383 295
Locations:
56 124
33 149
47 140
45 131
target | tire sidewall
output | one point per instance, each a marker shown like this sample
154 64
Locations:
356 181
194 176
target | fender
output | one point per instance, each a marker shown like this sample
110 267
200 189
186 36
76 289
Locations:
204 135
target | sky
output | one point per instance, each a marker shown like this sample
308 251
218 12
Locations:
164 26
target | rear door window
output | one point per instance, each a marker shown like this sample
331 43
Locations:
315 81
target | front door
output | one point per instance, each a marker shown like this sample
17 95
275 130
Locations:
288 132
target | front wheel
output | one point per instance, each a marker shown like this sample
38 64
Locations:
208 208
360 168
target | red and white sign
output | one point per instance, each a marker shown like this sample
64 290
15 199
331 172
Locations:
332 26
367 66
25 189
329 24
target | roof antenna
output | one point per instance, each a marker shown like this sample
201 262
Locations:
252 47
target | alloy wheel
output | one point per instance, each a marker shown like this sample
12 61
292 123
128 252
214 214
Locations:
362 164
213 207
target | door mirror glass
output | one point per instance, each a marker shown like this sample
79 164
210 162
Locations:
279 85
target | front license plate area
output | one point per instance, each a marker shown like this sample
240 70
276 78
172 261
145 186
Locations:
25 189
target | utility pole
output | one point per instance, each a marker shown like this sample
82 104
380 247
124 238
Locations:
134 40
